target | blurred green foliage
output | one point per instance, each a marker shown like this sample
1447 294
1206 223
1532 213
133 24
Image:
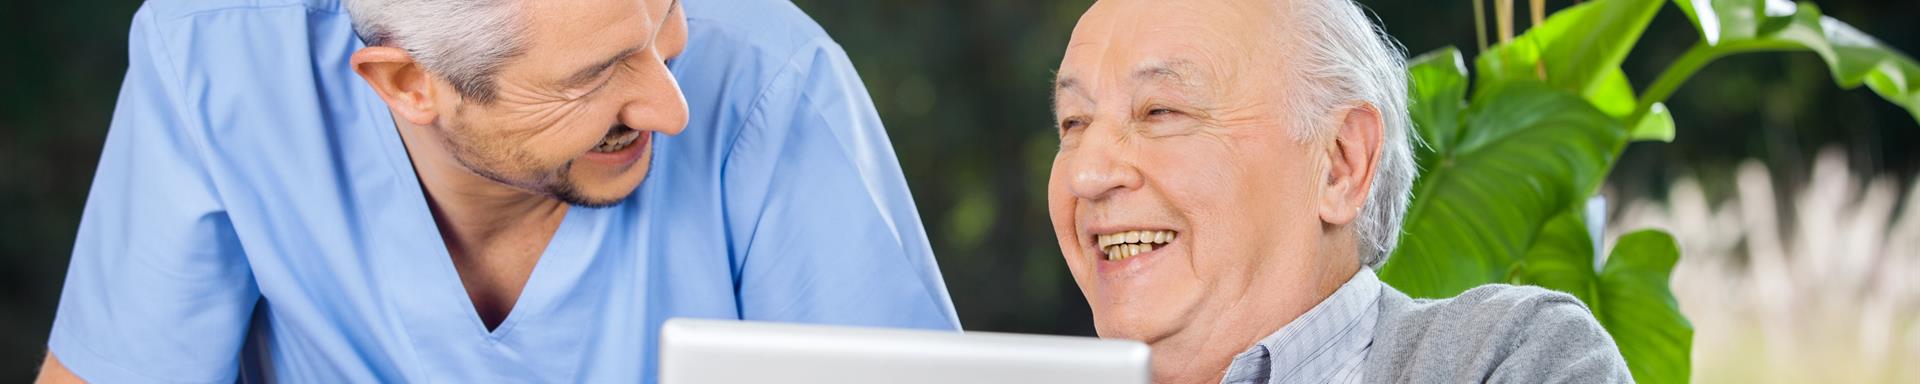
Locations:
963 87
1508 171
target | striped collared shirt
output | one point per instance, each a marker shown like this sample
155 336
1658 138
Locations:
1327 344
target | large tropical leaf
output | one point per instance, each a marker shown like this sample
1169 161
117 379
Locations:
1498 201
1735 26
1523 153
1561 259
1590 40
1629 295
1579 49
1439 96
1637 307
1503 176
1575 49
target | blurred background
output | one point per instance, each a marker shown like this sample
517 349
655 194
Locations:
1794 201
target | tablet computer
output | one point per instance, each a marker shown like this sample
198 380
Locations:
696 351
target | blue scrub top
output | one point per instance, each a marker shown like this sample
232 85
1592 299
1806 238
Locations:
253 195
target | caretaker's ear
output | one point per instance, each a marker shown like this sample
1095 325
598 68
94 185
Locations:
1352 157
406 86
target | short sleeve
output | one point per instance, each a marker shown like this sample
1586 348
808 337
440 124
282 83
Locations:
825 230
157 289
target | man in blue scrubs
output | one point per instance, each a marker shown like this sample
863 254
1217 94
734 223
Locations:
478 191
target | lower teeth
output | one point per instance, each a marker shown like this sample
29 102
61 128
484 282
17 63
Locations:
1124 251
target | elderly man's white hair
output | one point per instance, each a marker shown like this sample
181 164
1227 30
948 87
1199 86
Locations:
464 42
1344 57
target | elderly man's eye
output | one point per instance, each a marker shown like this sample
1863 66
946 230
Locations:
1159 112
1071 124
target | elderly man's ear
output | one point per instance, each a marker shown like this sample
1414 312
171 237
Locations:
403 83
1352 156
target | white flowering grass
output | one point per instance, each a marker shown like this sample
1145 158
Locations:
1832 296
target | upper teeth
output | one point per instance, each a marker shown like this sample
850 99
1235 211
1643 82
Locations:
1126 244
616 142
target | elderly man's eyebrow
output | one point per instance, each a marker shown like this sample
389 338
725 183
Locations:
1069 84
585 75
1177 71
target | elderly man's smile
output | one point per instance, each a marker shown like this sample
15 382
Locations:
1119 246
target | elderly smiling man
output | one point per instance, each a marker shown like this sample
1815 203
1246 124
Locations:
1230 171
452 191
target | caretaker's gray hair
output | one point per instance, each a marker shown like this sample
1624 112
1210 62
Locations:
464 42
1345 57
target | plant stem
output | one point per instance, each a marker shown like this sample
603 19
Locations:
1503 16
1671 79
1538 8
1691 62
1480 24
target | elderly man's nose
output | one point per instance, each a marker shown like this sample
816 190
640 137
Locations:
1098 172
657 104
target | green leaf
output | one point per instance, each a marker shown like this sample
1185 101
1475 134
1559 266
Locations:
1656 125
1637 307
1594 41
1580 49
1897 85
1630 296
1577 49
1437 85
1734 20
1611 93
1561 259
1517 60
1614 95
1525 154
1736 26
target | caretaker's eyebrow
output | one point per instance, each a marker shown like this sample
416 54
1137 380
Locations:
586 75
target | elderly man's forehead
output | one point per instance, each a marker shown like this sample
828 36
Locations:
1157 17
1179 44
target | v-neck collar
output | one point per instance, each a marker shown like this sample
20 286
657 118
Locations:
441 299
562 248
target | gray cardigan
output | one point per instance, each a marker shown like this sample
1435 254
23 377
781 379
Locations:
1492 333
